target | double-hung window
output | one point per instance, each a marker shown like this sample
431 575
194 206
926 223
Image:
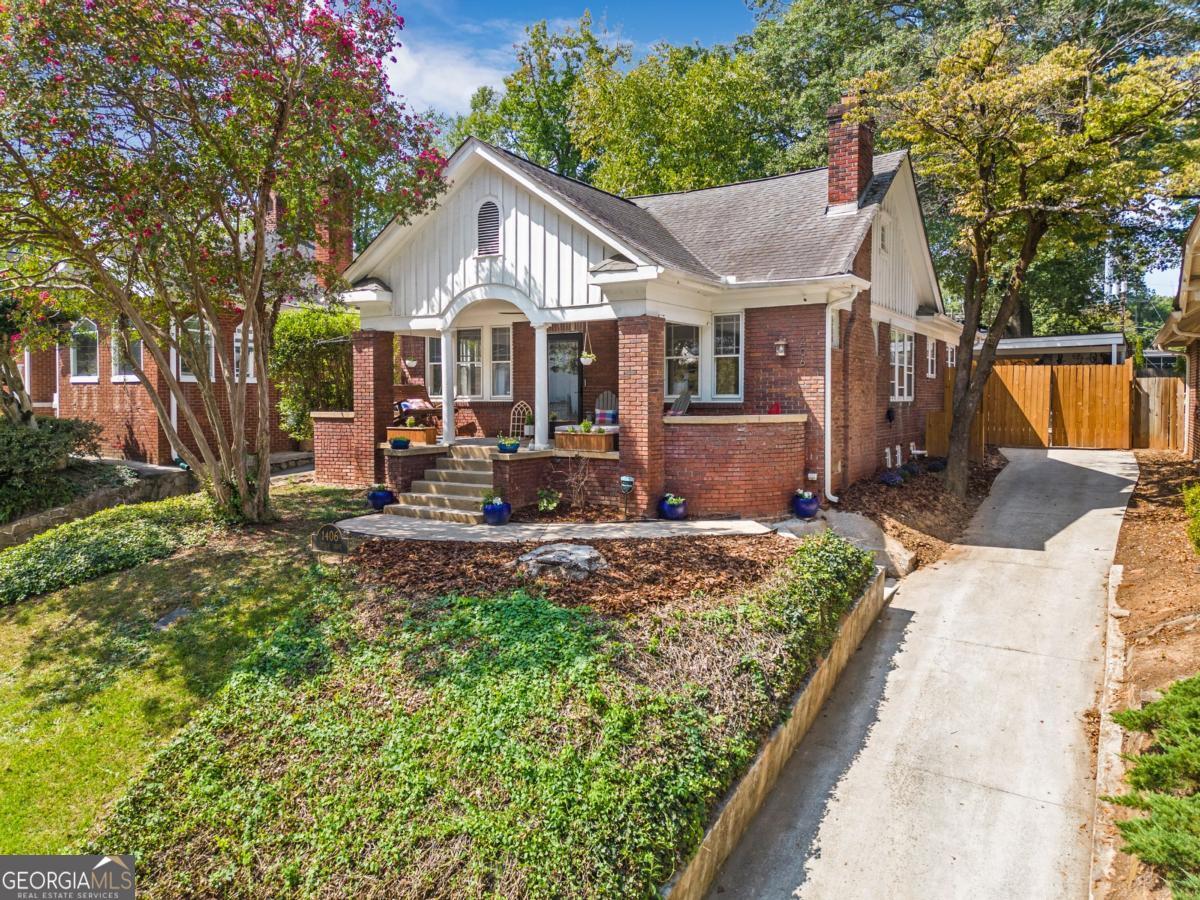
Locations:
930 358
501 357
727 355
902 365
237 355
85 351
468 344
951 356
682 359
201 345
122 363
433 367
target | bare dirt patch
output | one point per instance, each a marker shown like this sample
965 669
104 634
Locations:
640 574
1161 590
920 513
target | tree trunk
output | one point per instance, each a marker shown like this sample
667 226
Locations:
14 398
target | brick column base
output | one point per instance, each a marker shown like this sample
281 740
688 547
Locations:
374 377
640 408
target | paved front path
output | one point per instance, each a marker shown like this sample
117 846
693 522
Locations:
952 759
385 525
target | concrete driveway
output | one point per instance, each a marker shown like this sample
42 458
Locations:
952 759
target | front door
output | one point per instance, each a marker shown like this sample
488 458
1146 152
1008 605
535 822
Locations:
566 377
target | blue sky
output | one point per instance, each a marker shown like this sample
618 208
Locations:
451 47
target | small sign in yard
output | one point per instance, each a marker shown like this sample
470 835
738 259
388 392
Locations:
329 539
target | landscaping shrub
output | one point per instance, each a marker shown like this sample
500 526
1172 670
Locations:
311 365
1191 504
31 460
1166 785
107 541
479 747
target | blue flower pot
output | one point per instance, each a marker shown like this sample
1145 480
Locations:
673 511
497 513
380 499
400 443
805 507
508 448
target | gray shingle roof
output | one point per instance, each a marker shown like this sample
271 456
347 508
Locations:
772 229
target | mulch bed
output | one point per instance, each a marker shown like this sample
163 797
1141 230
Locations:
568 513
640 573
921 513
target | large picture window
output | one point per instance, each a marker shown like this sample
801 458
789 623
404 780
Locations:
727 355
469 362
902 365
85 351
122 363
501 362
682 359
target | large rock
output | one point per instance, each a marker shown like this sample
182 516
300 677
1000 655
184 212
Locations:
800 528
864 533
566 562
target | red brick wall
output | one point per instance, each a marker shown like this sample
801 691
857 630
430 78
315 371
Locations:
374 376
334 449
851 149
640 403
517 479
1193 412
908 424
40 381
400 471
737 469
335 233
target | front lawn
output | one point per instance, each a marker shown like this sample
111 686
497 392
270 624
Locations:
478 746
90 689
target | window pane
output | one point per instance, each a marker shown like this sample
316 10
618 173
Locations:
469 346
435 350
501 379
85 343
682 376
435 380
727 376
199 335
683 340
727 335
470 379
122 364
501 345
237 355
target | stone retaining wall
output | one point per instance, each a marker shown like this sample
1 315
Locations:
153 484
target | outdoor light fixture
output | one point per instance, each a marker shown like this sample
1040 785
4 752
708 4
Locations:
626 489
781 347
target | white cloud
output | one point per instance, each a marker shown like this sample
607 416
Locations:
444 74
1164 282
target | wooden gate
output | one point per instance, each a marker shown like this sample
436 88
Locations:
1090 406
1017 400
1158 413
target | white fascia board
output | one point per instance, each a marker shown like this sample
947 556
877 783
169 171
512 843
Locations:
642 273
940 327
433 325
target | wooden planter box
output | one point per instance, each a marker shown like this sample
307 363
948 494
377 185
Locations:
417 434
577 440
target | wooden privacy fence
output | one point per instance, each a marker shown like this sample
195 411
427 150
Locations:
1093 406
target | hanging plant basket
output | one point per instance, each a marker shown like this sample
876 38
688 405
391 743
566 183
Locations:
586 356
587 359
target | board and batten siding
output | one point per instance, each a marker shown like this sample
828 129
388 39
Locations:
892 284
543 253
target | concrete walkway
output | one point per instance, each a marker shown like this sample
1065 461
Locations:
384 525
952 759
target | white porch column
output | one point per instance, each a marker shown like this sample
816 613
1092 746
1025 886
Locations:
541 388
449 384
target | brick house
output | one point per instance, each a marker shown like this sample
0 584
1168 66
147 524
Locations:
800 314
1182 332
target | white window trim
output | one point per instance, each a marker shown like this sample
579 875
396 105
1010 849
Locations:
931 357
951 356
741 357
85 379
902 366
251 375
117 378
190 378
486 379
499 228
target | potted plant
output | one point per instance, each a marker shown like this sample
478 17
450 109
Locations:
508 444
891 478
529 425
417 434
585 436
586 358
495 510
379 496
805 504
673 507
400 443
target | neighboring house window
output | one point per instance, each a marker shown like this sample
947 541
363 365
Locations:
930 357
199 335
683 359
488 243
237 355
122 364
902 365
727 355
433 367
502 362
951 356
85 351
469 359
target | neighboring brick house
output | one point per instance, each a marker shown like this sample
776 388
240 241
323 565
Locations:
801 313
1181 332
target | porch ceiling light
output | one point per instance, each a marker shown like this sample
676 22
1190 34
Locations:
781 347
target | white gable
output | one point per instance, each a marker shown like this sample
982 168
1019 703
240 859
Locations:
902 275
544 252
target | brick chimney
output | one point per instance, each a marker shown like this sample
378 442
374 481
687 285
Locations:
851 150
335 226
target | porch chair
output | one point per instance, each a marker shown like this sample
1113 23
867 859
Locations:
413 400
681 404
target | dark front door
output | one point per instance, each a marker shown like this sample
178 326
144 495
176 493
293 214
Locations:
566 377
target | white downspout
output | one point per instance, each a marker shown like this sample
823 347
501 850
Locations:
831 310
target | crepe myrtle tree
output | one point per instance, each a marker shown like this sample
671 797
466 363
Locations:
1030 150
178 159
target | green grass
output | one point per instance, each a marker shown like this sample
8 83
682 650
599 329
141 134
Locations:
89 690
476 747
1166 786
1191 505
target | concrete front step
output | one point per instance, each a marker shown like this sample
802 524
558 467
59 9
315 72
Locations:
459 476
433 512
441 501
455 488
447 464
472 451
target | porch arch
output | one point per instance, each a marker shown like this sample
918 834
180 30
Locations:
480 292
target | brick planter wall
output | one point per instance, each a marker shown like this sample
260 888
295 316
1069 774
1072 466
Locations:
517 478
740 469
403 467
334 448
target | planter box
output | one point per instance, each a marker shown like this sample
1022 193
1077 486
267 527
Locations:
577 440
418 435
